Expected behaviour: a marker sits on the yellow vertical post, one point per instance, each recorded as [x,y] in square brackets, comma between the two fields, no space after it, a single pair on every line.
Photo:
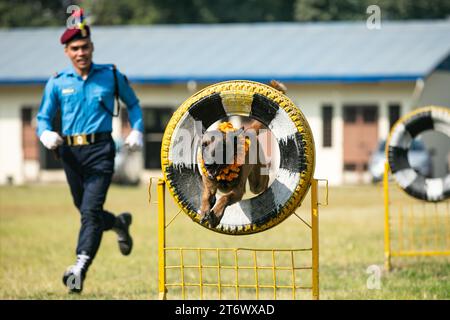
[315,239]
[200,272]
[387,240]
[255,263]
[274,276]
[293,276]
[162,239]
[219,282]
[236,270]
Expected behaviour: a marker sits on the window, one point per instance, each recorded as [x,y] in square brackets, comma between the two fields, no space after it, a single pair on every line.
[29,138]
[350,114]
[370,114]
[360,114]
[327,126]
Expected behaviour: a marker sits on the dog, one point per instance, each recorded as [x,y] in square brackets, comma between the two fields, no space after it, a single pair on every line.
[229,173]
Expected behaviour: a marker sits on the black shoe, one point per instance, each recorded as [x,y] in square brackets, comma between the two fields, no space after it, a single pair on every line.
[123,222]
[74,276]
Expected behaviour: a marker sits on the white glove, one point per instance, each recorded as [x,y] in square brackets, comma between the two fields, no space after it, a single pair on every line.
[134,140]
[50,139]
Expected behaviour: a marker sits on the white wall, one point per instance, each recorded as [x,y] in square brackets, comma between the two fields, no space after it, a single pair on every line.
[12,164]
[10,145]
[309,98]
[11,151]
[163,95]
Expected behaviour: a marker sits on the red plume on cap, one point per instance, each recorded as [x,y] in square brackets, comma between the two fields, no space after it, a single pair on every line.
[79,31]
[79,14]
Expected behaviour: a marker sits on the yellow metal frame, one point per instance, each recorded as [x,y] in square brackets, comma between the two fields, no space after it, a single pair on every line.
[407,219]
[201,266]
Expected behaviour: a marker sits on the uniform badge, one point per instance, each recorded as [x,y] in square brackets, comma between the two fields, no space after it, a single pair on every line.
[68,90]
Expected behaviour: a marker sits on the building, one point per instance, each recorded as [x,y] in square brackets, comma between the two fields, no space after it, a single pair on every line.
[352,83]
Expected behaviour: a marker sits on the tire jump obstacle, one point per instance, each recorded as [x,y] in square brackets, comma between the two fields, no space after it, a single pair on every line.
[292,179]
[417,224]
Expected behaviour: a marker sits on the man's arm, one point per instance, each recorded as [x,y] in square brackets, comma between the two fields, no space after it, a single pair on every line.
[47,110]
[128,96]
[135,139]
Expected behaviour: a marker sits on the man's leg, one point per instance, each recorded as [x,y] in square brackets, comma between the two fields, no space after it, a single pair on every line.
[120,225]
[74,275]
[96,165]
[109,220]
[74,176]
[94,220]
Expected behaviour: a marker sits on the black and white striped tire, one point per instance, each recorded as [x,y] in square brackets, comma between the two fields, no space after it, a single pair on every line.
[287,124]
[397,147]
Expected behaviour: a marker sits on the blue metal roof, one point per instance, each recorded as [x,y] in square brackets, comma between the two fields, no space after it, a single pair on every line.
[291,52]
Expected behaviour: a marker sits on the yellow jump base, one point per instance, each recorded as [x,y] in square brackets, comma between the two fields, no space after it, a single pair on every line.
[413,227]
[238,273]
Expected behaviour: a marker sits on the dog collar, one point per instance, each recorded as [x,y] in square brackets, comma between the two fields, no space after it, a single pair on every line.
[231,171]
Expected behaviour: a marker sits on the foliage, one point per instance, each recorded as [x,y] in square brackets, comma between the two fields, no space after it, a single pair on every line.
[326,10]
[31,13]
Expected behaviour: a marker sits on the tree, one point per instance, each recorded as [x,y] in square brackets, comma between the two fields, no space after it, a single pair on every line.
[190,11]
[328,10]
[29,13]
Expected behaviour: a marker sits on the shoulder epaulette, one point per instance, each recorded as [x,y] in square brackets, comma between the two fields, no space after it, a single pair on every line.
[105,66]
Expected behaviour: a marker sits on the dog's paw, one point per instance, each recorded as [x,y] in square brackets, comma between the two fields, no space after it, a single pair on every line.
[213,221]
[204,220]
[203,216]
[209,218]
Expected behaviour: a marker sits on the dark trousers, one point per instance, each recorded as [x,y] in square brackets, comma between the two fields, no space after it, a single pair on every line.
[89,170]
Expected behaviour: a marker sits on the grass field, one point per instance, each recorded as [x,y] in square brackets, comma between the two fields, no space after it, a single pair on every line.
[39,225]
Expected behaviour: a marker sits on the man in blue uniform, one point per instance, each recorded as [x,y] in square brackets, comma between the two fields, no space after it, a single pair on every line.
[84,93]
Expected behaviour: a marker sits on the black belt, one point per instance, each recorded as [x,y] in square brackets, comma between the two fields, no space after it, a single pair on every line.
[85,139]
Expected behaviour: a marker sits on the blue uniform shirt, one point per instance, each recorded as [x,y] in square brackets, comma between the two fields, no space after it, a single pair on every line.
[79,101]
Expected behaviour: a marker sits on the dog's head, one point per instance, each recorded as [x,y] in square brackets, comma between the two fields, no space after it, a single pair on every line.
[215,154]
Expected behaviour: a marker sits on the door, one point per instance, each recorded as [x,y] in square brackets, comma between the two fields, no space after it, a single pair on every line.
[48,158]
[360,136]
[155,121]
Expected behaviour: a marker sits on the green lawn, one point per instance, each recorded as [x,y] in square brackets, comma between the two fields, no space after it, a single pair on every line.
[39,225]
